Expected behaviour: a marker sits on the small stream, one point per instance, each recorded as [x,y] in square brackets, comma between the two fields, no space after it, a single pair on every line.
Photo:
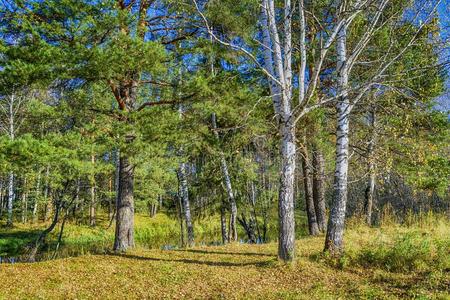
[8,260]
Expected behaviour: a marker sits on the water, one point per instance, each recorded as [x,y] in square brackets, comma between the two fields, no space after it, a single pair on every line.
[8,260]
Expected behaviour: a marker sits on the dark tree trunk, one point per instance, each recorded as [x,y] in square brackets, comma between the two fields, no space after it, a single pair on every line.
[249,227]
[40,240]
[308,184]
[319,188]
[124,237]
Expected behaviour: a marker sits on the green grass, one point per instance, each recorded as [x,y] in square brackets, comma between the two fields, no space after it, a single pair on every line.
[150,233]
[387,262]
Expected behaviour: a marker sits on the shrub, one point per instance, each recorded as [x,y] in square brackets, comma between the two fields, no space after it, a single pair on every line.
[412,251]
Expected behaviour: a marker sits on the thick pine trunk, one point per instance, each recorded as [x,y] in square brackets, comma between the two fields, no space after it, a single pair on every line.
[319,188]
[313,226]
[334,242]
[286,230]
[184,195]
[124,237]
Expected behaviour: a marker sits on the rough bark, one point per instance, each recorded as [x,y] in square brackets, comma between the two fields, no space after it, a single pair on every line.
[184,195]
[313,226]
[286,230]
[334,242]
[282,72]
[319,188]
[124,237]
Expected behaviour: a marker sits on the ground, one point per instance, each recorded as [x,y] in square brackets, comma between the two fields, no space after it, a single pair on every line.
[243,271]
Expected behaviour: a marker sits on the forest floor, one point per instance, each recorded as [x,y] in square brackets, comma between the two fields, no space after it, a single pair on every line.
[388,262]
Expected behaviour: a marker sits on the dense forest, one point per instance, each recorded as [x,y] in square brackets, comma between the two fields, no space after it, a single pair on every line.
[205,125]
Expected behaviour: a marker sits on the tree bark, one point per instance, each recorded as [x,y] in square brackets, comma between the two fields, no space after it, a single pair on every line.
[319,188]
[223,223]
[184,195]
[124,237]
[370,190]
[9,222]
[286,221]
[308,184]
[227,180]
[36,197]
[24,201]
[92,203]
[335,231]
[180,216]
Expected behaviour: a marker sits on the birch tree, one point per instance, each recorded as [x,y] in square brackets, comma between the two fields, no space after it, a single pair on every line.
[11,112]
[377,79]
[276,50]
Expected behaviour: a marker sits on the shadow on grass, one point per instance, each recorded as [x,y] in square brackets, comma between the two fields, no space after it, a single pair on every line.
[225,253]
[198,262]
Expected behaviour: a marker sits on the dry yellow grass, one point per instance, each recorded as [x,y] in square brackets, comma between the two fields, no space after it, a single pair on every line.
[224,272]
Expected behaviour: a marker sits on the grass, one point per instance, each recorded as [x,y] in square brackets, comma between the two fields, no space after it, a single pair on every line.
[388,262]
[150,233]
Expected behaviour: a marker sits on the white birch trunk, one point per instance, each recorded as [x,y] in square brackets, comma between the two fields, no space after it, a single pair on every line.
[370,190]
[11,133]
[10,199]
[184,195]
[335,229]
[283,73]
[227,181]
[36,197]
[92,190]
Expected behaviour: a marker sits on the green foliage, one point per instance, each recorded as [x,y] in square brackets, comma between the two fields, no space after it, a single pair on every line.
[414,251]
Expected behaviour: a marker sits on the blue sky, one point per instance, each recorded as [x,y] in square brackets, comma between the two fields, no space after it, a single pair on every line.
[444,15]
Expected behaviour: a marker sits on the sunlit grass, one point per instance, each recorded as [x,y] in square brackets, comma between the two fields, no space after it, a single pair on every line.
[387,262]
